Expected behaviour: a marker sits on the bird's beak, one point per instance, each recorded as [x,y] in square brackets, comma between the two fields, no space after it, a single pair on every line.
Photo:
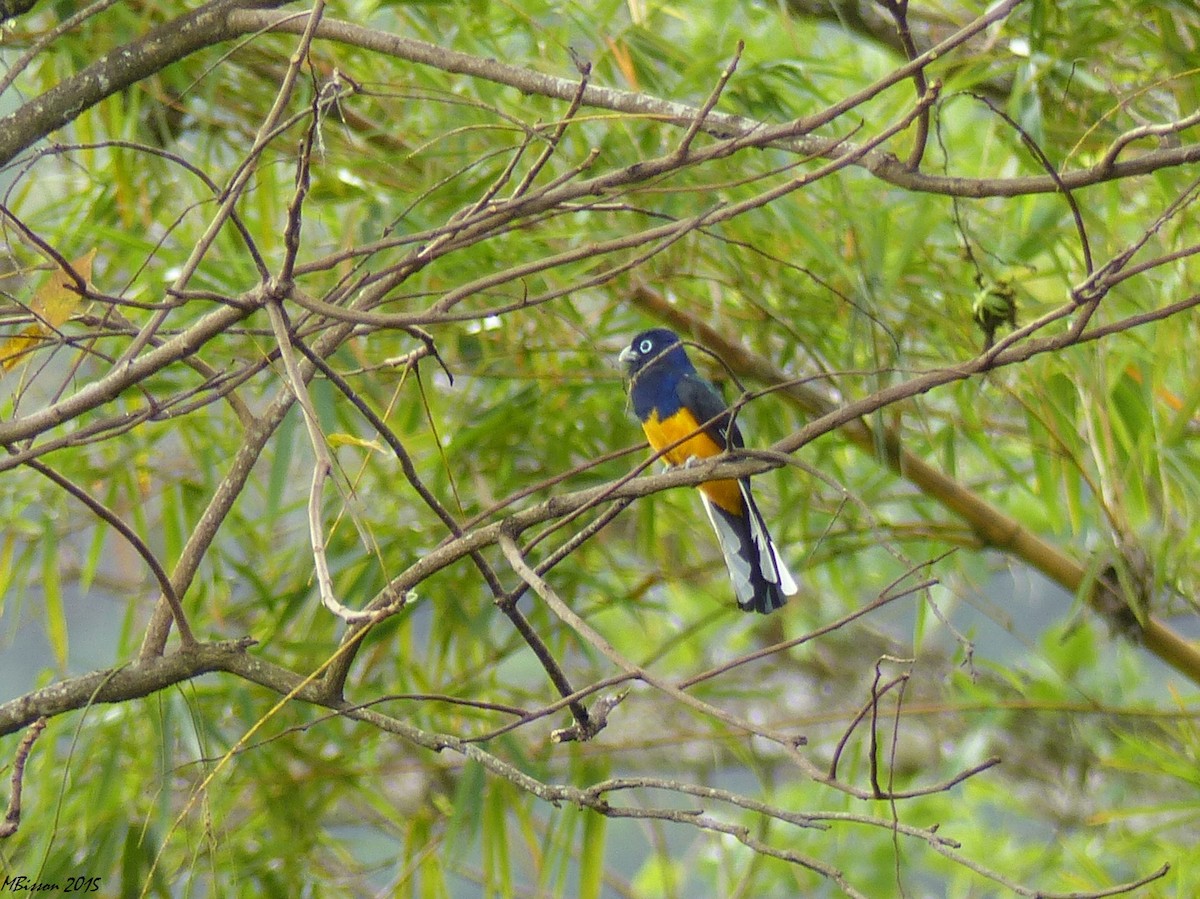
[628,356]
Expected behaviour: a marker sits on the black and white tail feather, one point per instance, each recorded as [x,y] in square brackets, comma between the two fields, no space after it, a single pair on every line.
[761,581]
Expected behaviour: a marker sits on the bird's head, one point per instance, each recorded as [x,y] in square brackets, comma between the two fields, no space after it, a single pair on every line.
[656,349]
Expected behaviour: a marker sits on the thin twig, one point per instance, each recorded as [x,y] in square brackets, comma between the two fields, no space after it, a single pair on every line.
[12,818]
[1044,161]
[113,520]
[266,133]
[295,213]
[898,9]
[322,469]
[513,554]
[554,139]
[1161,130]
[685,143]
[878,693]
[336,676]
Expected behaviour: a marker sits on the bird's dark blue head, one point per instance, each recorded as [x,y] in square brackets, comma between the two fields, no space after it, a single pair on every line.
[654,351]
[654,362]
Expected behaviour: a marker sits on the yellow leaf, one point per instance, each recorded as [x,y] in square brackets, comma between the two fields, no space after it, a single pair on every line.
[341,439]
[54,303]
[6,566]
[57,299]
[13,348]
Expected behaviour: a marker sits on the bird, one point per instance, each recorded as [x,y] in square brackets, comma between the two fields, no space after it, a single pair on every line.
[686,419]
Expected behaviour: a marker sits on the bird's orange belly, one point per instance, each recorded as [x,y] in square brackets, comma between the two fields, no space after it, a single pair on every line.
[679,438]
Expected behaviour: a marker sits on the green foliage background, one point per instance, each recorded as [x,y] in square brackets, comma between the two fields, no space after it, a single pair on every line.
[851,282]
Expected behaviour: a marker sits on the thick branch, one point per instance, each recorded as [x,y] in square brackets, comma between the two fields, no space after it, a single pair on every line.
[115,71]
[142,679]
[118,684]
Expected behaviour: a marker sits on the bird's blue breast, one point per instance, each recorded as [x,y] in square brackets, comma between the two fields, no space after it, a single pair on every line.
[655,386]
[655,393]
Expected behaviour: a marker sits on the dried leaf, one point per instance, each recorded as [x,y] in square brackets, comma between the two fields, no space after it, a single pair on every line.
[57,299]
[12,349]
[55,302]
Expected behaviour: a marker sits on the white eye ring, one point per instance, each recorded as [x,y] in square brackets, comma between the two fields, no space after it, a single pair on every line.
[645,346]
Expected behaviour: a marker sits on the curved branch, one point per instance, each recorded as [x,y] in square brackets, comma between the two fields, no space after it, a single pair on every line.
[139,545]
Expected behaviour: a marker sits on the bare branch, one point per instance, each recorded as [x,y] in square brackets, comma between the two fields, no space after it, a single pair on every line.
[335,677]
[898,10]
[113,520]
[882,165]
[1044,161]
[12,818]
[694,127]
[322,468]
[539,586]
[553,142]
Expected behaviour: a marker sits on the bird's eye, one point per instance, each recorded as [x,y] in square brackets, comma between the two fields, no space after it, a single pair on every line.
[645,346]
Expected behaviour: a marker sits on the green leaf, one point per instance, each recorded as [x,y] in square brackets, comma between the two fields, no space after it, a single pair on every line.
[497,864]
[91,561]
[52,596]
[467,809]
[591,855]
[281,466]
[7,547]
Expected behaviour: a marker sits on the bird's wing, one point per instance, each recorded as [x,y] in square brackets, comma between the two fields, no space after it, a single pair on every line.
[705,403]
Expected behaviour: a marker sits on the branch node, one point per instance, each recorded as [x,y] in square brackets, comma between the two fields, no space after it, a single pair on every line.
[597,719]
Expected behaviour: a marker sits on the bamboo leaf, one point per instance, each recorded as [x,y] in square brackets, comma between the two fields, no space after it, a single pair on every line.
[591,855]
[52,595]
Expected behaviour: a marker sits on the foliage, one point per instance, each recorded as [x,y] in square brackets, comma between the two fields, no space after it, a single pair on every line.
[525,673]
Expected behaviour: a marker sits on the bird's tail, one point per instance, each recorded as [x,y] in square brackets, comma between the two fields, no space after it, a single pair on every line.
[761,581]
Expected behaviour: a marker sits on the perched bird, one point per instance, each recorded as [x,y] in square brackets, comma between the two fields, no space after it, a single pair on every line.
[685,418]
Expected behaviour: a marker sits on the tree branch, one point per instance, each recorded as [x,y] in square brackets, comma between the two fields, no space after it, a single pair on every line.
[130,681]
[117,70]
[12,818]
[882,165]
